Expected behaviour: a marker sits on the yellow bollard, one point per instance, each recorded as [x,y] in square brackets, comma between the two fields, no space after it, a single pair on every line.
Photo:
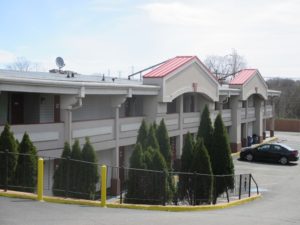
[103,186]
[40,182]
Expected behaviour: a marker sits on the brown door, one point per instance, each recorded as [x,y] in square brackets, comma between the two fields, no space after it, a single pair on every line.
[56,108]
[17,108]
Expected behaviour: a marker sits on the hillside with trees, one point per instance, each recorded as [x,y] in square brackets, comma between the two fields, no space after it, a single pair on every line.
[288,104]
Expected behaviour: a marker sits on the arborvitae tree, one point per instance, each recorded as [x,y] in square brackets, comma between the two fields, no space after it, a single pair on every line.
[154,125]
[90,176]
[7,142]
[203,180]
[26,170]
[151,140]
[137,158]
[164,143]
[142,135]
[135,187]
[157,180]
[221,159]
[205,129]
[75,170]
[60,174]
[185,185]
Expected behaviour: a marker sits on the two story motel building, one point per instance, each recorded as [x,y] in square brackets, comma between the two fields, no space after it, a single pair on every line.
[56,107]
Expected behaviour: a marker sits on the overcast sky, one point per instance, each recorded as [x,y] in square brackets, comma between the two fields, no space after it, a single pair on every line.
[94,36]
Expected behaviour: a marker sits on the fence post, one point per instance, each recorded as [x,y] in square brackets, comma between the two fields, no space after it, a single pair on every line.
[194,187]
[249,184]
[6,170]
[103,185]
[121,171]
[40,182]
[164,187]
[240,187]
[68,177]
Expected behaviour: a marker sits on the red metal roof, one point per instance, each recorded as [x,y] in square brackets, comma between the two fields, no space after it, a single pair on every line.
[169,66]
[243,76]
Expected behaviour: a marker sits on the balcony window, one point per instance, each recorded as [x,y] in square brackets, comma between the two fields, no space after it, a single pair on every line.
[189,103]
[171,107]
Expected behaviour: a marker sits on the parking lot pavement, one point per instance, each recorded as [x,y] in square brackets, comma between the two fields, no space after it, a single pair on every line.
[280,205]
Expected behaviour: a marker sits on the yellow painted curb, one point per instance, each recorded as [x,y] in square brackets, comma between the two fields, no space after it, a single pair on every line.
[18,195]
[129,206]
[183,208]
[23,195]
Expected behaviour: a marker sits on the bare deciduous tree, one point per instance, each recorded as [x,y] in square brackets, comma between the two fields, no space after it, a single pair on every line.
[225,67]
[23,64]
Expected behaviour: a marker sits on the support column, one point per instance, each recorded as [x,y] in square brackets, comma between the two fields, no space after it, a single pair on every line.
[272,120]
[68,126]
[235,131]
[245,126]
[258,124]
[115,180]
[180,127]
[264,120]
[179,138]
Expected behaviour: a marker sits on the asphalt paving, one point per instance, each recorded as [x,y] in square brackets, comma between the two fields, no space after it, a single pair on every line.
[280,204]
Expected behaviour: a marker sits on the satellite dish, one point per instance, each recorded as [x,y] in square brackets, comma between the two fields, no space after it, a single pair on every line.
[60,62]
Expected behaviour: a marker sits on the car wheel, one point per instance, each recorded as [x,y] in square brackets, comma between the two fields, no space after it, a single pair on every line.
[283,160]
[249,157]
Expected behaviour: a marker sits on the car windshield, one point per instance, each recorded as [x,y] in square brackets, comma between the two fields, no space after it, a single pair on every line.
[286,147]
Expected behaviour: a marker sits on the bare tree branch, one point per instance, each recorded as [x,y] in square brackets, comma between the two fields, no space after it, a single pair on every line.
[23,64]
[224,67]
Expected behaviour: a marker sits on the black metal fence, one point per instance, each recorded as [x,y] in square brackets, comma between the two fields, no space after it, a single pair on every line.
[17,171]
[67,177]
[176,188]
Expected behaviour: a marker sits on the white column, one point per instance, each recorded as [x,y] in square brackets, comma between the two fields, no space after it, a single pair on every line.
[272,122]
[235,131]
[246,124]
[258,123]
[180,143]
[68,126]
[117,137]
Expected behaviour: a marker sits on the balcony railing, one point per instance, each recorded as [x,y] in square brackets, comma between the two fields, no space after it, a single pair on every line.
[46,137]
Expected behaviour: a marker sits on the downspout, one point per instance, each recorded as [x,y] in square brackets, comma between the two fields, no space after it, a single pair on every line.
[70,108]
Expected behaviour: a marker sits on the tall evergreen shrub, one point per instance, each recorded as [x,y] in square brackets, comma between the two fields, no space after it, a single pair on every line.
[89,174]
[26,170]
[205,129]
[221,159]
[164,143]
[202,184]
[136,187]
[185,183]
[142,135]
[60,174]
[75,170]
[7,142]
[151,139]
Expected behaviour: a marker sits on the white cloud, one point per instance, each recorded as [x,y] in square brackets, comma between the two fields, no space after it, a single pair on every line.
[6,57]
[178,13]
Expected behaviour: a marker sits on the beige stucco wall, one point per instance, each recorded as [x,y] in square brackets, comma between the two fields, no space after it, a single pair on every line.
[181,82]
[250,88]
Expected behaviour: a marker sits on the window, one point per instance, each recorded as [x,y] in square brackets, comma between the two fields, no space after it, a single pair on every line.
[171,107]
[276,148]
[189,103]
[264,148]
